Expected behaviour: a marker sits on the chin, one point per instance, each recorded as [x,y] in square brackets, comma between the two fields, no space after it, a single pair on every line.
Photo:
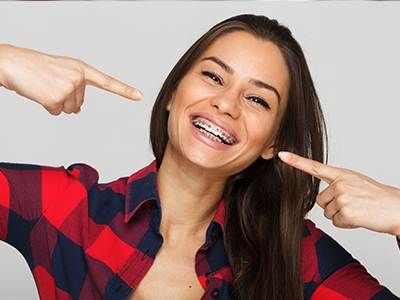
[217,165]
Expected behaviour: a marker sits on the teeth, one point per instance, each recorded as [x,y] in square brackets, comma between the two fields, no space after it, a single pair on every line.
[215,134]
[209,135]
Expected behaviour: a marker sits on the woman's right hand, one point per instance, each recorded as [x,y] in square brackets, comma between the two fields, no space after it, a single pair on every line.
[58,83]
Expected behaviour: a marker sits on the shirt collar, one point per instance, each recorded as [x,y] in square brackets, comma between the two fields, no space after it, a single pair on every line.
[219,217]
[142,189]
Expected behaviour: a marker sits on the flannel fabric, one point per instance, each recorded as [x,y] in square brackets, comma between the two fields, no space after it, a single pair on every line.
[86,240]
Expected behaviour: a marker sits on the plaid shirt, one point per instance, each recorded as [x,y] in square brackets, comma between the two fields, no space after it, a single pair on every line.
[85,240]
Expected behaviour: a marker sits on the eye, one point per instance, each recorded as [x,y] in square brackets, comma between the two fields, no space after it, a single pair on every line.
[259,100]
[212,76]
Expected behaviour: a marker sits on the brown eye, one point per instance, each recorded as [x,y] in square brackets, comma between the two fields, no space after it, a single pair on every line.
[213,76]
[259,100]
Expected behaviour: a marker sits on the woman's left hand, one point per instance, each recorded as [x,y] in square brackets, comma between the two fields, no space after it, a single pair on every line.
[352,200]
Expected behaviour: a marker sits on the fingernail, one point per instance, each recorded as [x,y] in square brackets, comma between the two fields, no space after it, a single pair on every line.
[137,95]
[284,155]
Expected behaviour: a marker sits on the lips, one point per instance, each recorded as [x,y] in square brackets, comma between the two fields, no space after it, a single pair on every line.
[213,131]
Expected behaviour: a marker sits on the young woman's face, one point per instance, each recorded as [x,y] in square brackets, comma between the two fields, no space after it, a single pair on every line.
[226,111]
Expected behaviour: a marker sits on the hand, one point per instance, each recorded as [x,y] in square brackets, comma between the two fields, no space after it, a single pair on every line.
[58,83]
[352,200]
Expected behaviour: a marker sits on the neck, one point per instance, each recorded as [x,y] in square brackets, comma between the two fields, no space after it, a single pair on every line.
[189,196]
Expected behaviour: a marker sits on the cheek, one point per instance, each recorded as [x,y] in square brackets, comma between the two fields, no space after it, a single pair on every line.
[191,91]
[263,130]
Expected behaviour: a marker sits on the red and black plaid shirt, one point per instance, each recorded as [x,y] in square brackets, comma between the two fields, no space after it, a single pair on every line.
[85,240]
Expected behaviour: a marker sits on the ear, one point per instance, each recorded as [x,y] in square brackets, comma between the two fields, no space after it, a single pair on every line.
[269,152]
[170,102]
[169,105]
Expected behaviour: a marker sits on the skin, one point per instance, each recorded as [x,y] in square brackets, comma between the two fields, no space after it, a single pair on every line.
[57,83]
[193,173]
[191,179]
[352,200]
[229,98]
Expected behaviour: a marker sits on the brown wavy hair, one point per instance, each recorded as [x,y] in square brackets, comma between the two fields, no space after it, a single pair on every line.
[267,202]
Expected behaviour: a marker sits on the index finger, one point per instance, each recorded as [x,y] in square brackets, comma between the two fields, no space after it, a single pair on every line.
[312,167]
[98,79]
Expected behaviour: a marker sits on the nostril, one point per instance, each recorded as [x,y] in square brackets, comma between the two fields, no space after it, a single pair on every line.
[227,104]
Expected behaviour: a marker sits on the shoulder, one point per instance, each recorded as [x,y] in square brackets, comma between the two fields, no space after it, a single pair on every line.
[31,170]
[321,257]
[51,180]
[321,253]
[329,270]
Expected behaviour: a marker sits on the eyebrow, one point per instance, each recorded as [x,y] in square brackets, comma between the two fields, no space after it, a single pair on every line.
[264,85]
[253,81]
[220,63]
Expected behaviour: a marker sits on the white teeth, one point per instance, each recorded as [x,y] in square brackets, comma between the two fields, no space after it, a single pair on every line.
[209,135]
[215,133]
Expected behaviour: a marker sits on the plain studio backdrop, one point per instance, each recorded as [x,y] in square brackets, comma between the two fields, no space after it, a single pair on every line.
[352,49]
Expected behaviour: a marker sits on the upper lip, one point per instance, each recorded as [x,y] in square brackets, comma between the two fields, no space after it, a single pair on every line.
[221,124]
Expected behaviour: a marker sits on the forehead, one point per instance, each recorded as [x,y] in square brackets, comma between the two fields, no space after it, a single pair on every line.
[251,57]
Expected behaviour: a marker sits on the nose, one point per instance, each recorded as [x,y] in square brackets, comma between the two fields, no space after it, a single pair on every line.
[227,103]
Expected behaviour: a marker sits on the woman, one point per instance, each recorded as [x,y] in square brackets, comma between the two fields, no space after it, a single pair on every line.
[239,95]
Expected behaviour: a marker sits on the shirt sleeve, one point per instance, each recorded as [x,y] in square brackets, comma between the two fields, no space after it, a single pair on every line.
[334,273]
[27,192]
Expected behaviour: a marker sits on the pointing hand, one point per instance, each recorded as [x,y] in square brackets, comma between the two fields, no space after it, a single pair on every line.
[58,83]
[352,200]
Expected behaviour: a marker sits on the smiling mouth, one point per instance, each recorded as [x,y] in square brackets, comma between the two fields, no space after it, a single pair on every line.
[213,132]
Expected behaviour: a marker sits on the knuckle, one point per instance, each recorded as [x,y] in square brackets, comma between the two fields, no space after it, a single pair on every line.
[78,63]
[315,167]
[57,100]
[342,201]
[343,187]
[128,90]
[337,222]
[327,215]
[294,159]
[348,215]
[76,79]
[68,108]
[49,104]
[68,111]
[107,80]
[69,88]
[55,111]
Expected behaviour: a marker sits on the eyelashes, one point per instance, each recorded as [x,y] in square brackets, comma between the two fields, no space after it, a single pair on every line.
[212,76]
[256,99]
[259,100]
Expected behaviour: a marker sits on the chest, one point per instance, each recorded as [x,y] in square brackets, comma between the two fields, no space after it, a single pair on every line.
[171,276]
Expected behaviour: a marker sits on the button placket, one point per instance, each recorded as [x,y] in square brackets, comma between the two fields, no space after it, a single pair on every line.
[213,237]
[214,293]
[209,274]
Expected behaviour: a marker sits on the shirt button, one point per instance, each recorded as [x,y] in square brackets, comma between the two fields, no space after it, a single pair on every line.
[214,293]
[208,274]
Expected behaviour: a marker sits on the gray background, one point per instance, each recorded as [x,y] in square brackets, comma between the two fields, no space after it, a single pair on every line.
[353,51]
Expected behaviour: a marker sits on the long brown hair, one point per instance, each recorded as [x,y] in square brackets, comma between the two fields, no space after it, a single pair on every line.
[267,202]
